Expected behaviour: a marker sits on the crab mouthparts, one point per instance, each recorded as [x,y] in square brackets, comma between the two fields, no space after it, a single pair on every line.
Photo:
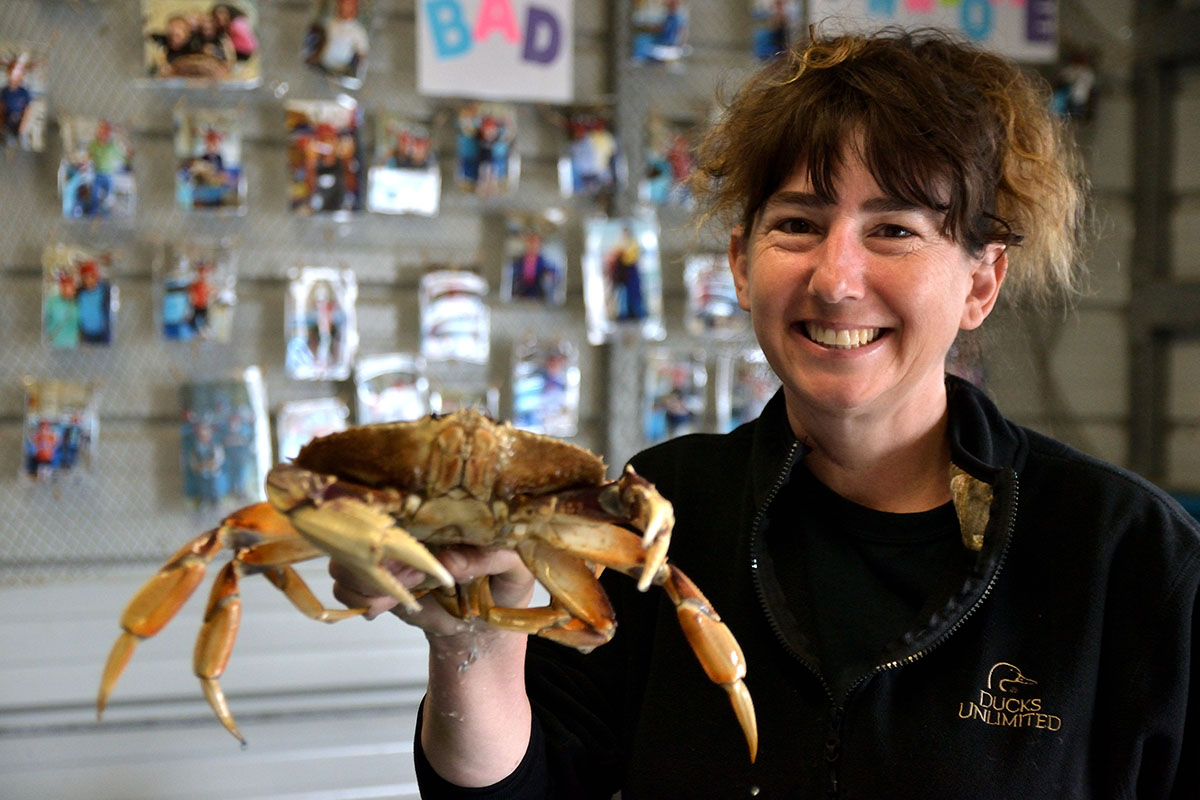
[844,339]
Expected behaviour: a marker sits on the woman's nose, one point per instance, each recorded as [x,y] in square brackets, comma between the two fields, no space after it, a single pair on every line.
[838,267]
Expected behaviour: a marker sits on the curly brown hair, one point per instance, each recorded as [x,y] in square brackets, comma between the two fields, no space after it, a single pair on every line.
[939,122]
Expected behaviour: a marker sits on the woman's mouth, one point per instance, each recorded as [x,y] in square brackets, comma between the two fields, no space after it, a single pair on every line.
[840,338]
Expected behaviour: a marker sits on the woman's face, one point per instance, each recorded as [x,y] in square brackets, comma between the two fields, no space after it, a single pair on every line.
[855,303]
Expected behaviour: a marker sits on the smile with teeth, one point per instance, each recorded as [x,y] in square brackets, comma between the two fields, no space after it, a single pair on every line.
[845,338]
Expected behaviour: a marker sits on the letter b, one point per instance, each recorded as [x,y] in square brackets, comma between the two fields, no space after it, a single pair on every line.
[450,34]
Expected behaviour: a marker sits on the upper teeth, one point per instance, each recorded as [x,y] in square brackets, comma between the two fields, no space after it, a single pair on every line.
[853,337]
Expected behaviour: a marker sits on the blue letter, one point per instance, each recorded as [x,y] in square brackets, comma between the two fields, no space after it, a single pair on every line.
[977,18]
[886,8]
[541,19]
[450,34]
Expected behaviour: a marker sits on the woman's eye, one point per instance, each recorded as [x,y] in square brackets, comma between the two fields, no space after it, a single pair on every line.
[895,231]
[794,225]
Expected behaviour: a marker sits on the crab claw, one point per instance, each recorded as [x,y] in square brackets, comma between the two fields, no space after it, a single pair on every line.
[649,512]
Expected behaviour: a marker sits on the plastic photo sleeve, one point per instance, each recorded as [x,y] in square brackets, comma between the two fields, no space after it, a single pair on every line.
[60,429]
[776,26]
[485,142]
[195,292]
[673,394]
[226,441]
[712,305]
[660,31]
[300,421]
[321,325]
[744,384]
[455,321]
[458,391]
[545,384]
[404,177]
[199,42]
[336,42]
[593,164]
[390,387]
[622,278]
[534,261]
[669,162]
[325,166]
[95,176]
[22,99]
[208,161]
[79,298]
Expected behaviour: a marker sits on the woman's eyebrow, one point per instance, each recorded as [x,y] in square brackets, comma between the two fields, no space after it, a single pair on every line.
[882,203]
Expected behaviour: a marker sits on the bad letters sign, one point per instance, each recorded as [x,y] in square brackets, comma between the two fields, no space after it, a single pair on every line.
[495,49]
[1025,30]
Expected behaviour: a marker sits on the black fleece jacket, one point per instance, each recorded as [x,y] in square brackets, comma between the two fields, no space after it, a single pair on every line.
[1060,669]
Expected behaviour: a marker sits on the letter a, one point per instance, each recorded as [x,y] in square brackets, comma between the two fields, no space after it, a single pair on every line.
[497,15]
[450,35]
[539,19]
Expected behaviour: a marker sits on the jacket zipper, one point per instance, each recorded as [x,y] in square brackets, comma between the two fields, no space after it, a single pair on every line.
[833,740]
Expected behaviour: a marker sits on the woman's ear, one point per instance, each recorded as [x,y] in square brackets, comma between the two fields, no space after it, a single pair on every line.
[986,279]
[739,265]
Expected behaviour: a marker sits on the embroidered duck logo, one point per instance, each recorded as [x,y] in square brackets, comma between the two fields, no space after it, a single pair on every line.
[1004,677]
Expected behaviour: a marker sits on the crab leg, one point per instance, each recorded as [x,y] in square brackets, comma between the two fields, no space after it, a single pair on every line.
[156,603]
[214,645]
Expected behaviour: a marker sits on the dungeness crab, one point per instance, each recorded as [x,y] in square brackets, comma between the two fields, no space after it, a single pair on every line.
[397,491]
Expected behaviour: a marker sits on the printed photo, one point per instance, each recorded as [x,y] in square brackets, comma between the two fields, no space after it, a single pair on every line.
[485,141]
[545,383]
[196,292]
[776,26]
[669,162]
[745,382]
[325,168]
[455,320]
[60,429]
[298,422]
[535,260]
[404,177]
[201,42]
[23,98]
[208,158]
[336,42]
[660,31]
[622,278]
[226,443]
[322,327]
[593,165]
[673,394]
[95,176]
[79,299]
[391,387]
[712,304]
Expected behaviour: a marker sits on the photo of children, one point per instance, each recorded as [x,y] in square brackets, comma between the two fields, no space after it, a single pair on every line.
[208,157]
[79,300]
[60,429]
[673,394]
[404,177]
[660,31]
[622,277]
[485,141]
[545,385]
[593,165]
[712,305]
[196,292]
[321,325]
[337,43]
[226,445]
[391,387]
[325,168]
[455,320]
[201,42]
[669,162]
[22,100]
[535,260]
[95,176]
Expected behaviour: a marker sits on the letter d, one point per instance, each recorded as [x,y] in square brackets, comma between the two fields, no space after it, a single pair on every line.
[450,34]
[538,20]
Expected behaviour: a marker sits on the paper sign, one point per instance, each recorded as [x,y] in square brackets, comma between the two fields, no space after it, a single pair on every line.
[1025,30]
[496,49]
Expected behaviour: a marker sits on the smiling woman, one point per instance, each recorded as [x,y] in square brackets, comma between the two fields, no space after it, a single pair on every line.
[932,601]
